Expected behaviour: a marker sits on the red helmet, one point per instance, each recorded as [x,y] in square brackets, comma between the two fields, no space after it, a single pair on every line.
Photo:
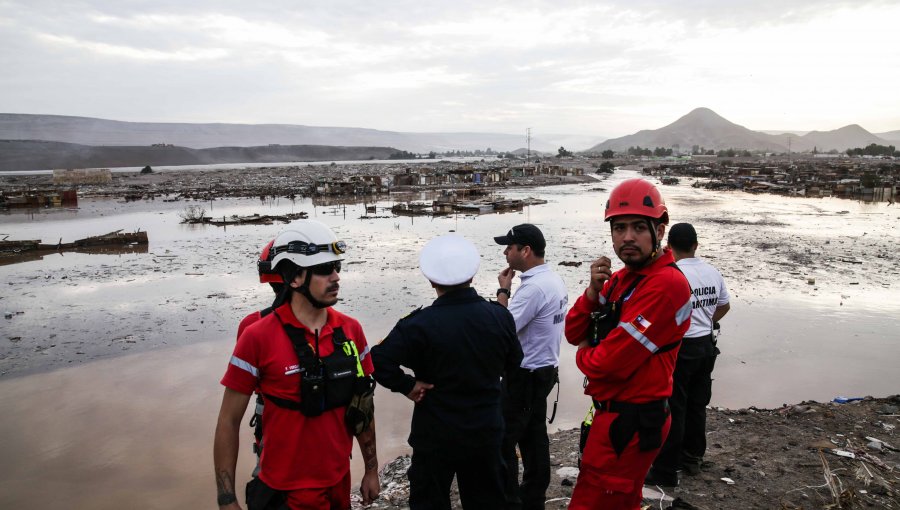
[267,273]
[638,197]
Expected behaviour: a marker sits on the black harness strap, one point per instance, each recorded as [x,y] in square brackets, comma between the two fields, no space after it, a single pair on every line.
[307,359]
[283,402]
[667,347]
[318,376]
[256,420]
[556,402]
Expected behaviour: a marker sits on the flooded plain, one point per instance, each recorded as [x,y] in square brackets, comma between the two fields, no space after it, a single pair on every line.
[109,363]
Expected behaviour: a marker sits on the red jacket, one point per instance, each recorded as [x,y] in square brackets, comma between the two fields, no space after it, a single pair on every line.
[624,366]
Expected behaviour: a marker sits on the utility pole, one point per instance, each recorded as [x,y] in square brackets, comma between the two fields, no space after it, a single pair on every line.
[790,158]
[528,145]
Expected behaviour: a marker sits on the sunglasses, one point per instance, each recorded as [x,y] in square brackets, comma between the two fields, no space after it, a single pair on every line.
[326,269]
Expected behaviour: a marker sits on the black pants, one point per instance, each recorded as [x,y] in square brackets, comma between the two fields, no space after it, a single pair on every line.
[691,393]
[525,412]
[479,476]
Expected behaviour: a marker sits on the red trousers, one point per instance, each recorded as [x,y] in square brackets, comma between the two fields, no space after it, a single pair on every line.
[607,481]
[336,497]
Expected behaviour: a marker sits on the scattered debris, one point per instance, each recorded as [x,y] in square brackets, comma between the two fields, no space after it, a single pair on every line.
[116,238]
[776,459]
[193,217]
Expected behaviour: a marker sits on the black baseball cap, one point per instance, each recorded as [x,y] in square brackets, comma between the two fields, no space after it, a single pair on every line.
[525,234]
[682,236]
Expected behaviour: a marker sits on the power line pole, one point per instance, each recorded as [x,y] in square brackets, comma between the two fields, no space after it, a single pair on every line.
[528,145]
[790,158]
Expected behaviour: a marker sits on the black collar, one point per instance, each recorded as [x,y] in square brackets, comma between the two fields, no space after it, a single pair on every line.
[457,296]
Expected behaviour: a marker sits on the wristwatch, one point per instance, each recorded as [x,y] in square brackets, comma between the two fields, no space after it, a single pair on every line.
[226,499]
[501,290]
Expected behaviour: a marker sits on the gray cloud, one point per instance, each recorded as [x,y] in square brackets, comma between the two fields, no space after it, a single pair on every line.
[566,67]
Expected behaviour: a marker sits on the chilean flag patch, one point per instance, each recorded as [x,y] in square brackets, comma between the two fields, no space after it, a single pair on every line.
[640,323]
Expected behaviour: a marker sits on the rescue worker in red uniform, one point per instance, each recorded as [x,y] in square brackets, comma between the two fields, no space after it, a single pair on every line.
[311,363]
[627,349]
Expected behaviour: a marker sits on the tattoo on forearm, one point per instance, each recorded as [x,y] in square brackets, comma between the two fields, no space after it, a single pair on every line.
[224,483]
[367,447]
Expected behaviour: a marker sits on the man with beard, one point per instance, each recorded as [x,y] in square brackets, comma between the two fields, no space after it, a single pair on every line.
[628,325]
[311,365]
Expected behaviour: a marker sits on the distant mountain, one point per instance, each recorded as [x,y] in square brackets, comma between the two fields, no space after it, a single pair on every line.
[847,137]
[702,127]
[42,155]
[707,129]
[792,132]
[891,136]
[91,131]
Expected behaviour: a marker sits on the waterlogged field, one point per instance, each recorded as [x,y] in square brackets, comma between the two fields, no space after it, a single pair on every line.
[109,364]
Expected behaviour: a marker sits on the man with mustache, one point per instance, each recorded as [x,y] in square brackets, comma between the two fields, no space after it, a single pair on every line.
[628,325]
[311,365]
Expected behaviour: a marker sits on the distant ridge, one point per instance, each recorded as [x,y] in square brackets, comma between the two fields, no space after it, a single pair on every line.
[43,155]
[91,131]
[891,136]
[707,129]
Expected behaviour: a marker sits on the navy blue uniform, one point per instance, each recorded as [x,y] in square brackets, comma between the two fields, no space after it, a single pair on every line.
[462,344]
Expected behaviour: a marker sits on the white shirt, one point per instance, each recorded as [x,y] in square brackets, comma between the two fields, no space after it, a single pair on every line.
[708,292]
[539,309]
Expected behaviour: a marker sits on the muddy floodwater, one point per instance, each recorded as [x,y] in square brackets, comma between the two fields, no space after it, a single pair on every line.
[109,363]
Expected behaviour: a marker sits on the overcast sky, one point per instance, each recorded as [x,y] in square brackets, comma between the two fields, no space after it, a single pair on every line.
[565,67]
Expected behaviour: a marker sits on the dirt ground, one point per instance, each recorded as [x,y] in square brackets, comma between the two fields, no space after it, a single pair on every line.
[806,456]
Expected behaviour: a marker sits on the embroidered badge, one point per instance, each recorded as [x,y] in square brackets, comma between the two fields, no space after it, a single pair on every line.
[640,323]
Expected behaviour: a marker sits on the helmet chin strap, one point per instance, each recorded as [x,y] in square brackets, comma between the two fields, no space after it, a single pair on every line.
[653,239]
[304,291]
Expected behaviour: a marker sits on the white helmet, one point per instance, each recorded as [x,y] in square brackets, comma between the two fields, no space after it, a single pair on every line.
[307,243]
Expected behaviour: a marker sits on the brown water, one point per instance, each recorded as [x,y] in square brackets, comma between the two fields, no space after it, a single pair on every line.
[83,428]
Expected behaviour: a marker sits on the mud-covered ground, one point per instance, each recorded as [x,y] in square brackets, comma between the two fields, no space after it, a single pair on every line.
[814,315]
[809,456]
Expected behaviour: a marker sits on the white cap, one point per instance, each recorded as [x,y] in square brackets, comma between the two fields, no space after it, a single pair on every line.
[449,260]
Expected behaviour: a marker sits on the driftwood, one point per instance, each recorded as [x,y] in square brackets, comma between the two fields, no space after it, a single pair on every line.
[117,238]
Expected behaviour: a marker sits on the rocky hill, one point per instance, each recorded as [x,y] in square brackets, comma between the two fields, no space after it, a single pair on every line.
[847,137]
[708,129]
